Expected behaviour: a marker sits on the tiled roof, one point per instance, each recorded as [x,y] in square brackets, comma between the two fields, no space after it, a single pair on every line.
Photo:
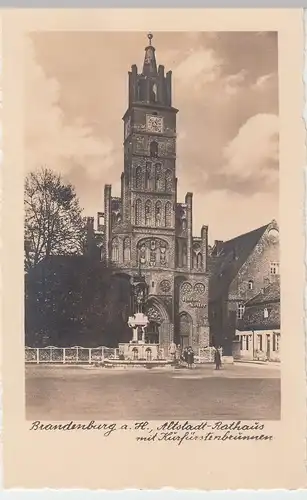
[269,299]
[269,294]
[225,264]
[254,317]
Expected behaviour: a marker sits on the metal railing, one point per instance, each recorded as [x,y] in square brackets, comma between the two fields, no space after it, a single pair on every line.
[69,355]
[92,355]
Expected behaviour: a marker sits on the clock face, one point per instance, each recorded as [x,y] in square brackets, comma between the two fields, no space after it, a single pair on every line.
[127,127]
[154,123]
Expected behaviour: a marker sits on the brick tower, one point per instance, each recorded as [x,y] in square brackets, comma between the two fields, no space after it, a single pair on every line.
[145,228]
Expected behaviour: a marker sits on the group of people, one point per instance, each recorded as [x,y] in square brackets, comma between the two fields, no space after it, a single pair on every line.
[186,355]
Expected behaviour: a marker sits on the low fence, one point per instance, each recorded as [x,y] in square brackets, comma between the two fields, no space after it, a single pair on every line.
[69,355]
[92,355]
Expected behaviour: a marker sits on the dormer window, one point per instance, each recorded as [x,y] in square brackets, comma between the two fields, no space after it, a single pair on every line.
[250,285]
[274,268]
[265,313]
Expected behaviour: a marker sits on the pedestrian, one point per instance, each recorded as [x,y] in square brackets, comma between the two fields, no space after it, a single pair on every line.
[172,351]
[217,359]
[178,353]
[190,357]
[185,355]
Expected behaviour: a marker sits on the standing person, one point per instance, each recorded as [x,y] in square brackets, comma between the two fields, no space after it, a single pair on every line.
[172,351]
[217,359]
[185,355]
[178,353]
[190,357]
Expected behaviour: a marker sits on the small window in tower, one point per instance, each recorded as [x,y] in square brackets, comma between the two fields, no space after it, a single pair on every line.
[153,92]
[154,149]
[140,91]
[250,285]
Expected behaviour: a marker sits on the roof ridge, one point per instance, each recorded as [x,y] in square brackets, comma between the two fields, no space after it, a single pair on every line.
[248,232]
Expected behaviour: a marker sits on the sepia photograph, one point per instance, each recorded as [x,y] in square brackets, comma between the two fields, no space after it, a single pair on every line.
[151,228]
[153,278]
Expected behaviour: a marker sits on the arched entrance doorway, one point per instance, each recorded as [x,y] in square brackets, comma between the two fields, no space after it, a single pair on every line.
[185,329]
[157,331]
[152,334]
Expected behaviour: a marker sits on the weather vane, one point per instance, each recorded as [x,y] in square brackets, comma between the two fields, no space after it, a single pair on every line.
[150,37]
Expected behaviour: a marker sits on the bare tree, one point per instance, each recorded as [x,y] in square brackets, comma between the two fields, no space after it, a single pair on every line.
[53,218]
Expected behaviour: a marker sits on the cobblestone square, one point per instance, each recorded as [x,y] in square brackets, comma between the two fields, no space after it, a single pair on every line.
[237,392]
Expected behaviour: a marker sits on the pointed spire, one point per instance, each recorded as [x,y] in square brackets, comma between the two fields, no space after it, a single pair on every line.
[150,65]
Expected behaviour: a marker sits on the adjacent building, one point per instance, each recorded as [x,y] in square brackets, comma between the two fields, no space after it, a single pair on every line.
[259,334]
[239,270]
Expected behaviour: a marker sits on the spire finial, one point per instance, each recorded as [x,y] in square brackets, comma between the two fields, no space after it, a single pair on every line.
[150,37]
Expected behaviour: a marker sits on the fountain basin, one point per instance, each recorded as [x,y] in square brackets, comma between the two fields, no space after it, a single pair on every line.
[140,351]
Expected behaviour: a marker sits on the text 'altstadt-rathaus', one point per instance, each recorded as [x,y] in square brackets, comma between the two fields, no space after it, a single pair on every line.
[148,230]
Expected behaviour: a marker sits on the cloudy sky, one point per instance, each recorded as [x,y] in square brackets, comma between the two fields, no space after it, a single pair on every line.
[224,85]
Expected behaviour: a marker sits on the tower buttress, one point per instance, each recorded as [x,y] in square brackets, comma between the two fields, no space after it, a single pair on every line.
[189,203]
[204,246]
[107,221]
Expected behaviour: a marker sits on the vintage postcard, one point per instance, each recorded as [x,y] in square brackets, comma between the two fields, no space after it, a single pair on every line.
[153,247]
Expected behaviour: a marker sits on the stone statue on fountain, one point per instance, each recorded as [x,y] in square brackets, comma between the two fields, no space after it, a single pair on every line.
[138,350]
[139,321]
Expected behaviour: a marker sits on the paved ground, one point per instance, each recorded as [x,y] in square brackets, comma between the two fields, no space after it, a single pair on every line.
[243,391]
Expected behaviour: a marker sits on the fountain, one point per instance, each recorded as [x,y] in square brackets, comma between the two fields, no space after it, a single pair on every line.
[139,352]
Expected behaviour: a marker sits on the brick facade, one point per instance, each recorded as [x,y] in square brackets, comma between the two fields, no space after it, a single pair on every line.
[240,269]
[146,227]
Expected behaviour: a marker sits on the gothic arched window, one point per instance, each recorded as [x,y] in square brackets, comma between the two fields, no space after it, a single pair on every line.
[154,149]
[138,212]
[178,254]
[147,213]
[168,214]
[147,175]
[158,177]
[185,329]
[184,254]
[138,177]
[127,252]
[199,261]
[153,92]
[140,90]
[168,180]
[158,213]
[115,250]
